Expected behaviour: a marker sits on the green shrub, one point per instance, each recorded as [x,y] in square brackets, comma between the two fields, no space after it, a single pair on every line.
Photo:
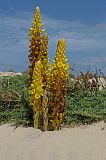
[14,100]
[84,106]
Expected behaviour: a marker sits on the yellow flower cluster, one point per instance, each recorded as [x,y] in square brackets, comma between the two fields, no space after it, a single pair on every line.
[38,52]
[36,91]
[58,84]
[45,59]
[46,78]
[36,88]
[35,41]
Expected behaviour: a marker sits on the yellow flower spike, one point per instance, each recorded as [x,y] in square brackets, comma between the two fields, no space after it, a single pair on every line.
[58,84]
[38,51]
[36,91]
[45,79]
[35,41]
[44,57]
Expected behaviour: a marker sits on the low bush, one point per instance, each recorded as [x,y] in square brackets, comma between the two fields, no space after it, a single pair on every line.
[84,106]
[14,100]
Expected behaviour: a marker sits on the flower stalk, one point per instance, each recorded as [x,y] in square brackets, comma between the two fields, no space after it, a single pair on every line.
[58,84]
[35,41]
[36,91]
[45,73]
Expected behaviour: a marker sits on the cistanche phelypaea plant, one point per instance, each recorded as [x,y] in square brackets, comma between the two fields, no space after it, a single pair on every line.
[35,33]
[36,91]
[44,79]
[58,84]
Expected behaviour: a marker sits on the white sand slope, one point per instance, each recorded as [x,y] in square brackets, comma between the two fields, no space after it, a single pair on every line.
[79,143]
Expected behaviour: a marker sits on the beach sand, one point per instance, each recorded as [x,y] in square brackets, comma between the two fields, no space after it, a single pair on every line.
[78,143]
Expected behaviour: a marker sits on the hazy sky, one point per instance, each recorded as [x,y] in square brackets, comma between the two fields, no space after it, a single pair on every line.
[81,22]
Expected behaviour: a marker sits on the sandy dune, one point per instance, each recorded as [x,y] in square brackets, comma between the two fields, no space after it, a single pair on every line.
[79,143]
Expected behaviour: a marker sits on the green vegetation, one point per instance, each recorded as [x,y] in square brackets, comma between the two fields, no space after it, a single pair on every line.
[84,106]
[14,106]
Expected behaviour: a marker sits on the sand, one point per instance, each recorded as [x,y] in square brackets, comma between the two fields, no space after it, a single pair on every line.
[79,143]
